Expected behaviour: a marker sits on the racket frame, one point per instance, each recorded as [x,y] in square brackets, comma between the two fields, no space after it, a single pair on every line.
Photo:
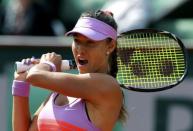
[170,35]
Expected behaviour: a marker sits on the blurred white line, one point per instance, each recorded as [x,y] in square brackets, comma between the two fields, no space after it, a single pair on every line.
[35,41]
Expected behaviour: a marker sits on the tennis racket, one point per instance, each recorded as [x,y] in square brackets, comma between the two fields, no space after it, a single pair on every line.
[150,60]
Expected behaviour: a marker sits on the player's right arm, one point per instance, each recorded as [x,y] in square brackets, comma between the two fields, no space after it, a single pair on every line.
[21,117]
[20,111]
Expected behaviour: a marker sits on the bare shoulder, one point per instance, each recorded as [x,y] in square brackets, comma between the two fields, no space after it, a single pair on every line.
[100,77]
[105,112]
[105,86]
[104,82]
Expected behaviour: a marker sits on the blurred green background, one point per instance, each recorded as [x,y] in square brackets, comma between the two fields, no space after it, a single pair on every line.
[172,15]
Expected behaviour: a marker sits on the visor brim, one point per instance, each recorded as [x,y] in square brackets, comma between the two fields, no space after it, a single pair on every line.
[89,33]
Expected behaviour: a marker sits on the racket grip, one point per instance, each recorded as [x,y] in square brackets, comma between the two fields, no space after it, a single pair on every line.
[65,65]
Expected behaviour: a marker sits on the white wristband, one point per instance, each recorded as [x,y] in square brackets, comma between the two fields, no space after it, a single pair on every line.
[52,65]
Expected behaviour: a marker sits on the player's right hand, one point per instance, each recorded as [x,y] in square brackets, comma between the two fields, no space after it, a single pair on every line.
[22,75]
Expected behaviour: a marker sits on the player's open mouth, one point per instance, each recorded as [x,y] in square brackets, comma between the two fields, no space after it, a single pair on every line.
[82,61]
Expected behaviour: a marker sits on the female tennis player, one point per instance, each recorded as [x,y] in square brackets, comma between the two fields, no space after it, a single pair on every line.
[89,101]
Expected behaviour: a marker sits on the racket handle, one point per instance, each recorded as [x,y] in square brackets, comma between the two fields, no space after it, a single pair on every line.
[65,65]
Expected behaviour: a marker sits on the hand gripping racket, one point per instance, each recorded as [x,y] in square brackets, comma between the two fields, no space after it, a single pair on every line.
[150,60]
[65,65]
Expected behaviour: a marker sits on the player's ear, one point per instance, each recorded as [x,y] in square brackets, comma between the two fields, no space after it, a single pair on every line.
[111,45]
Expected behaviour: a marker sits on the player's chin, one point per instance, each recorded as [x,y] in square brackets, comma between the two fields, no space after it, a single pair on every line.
[82,70]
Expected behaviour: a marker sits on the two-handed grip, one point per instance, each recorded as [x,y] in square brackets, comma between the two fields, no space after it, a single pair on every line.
[65,65]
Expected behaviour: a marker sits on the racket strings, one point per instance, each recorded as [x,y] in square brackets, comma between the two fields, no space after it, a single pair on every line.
[149,60]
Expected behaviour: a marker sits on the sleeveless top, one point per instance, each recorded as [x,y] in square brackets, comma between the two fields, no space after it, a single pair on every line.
[69,117]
